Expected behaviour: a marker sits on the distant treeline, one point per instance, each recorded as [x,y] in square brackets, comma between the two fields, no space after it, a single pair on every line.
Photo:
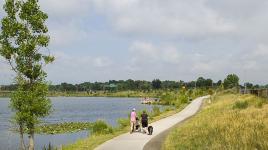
[134,85]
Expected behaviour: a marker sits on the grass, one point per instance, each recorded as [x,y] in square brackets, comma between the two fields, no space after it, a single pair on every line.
[230,122]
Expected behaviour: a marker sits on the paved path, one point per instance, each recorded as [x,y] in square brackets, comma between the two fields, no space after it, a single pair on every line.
[137,141]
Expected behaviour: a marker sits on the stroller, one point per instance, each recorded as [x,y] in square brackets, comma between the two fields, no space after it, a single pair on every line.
[137,125]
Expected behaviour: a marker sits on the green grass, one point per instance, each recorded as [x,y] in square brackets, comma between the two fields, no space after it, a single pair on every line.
[230,122]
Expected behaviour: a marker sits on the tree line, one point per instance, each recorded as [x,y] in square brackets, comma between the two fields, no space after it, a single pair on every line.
[231,80]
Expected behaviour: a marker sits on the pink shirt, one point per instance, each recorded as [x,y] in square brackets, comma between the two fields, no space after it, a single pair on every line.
[133,116]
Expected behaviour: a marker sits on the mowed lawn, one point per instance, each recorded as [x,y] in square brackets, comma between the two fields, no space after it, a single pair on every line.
[230,122]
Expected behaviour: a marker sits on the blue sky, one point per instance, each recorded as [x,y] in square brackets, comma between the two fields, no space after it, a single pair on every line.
[99,40]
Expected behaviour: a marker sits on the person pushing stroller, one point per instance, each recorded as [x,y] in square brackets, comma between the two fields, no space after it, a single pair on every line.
[144,122]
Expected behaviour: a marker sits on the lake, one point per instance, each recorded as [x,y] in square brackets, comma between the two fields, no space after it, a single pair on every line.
[69,109]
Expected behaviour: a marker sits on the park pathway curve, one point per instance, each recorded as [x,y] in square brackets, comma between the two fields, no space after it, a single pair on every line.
[137,141]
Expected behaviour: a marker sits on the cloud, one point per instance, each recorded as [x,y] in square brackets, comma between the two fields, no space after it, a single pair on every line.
[147,39]
[102,62]
[146,51]
[66,35]
[168,18]
[78,68]
[69,9]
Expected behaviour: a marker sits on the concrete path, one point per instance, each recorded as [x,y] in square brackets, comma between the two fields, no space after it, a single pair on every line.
[136,141]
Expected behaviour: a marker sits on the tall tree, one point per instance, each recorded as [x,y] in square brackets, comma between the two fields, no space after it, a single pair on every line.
[201,82]
[23,38]
[156,84]
[231,81]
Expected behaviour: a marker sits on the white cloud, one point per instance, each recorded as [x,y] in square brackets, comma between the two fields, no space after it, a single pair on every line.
[170,18]
[67,9]
[78,68]
[145,51]
[186,39]
[102,62]
[66,35]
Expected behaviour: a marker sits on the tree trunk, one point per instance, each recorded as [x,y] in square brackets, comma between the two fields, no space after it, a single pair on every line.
[22,144]
[31,141]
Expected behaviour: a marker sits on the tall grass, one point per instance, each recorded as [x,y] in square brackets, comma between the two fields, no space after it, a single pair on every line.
[224,125]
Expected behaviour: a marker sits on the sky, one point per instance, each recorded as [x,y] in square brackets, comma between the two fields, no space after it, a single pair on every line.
[101,40]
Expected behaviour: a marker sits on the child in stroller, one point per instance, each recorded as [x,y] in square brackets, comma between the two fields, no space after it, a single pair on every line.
[137,125]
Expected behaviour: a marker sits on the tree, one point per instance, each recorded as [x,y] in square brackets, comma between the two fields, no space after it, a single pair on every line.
[249,85]
[201,82]
[231,81]
[209,82]
[156,84]
[219,83]
[23,38]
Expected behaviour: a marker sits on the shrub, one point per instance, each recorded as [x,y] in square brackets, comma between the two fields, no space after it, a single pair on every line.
[260,103]
[240,105]
[166,98]
[123,122]
[168,109]
[101,127]
[183,99]
[156,111]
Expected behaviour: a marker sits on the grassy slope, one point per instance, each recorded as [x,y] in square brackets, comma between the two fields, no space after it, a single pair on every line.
[95,140]
[224,124]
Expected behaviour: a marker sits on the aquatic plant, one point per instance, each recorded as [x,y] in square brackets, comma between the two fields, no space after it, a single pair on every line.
[63,127]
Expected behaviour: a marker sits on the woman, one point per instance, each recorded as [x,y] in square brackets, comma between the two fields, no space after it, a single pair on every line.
[133,116]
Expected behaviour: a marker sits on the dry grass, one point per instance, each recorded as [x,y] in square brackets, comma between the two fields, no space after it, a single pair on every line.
[223,125]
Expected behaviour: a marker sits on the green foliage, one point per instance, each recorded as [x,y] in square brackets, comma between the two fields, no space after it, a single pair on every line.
[101,127]
[210,92]
[156,84]
[183,99]
[167,98]
[30,103]
[22,37]
[156,111]
[231,81]
[63,127]
[240,105]
[202,82]
[260,103]
[123,122]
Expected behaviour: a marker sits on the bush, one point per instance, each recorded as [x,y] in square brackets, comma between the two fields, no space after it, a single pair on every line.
[166,98]
[123,122]
[240,105]
[156,111]
[260,103]
[183,99]
[101,127]
[168,109]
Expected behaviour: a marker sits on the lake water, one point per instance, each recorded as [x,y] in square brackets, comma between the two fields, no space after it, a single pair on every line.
[69,109]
